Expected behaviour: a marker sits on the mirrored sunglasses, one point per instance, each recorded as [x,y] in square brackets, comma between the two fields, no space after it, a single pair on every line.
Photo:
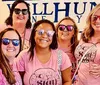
[49,33]
[94,18]
[66,28]
[6,41]
[24,11]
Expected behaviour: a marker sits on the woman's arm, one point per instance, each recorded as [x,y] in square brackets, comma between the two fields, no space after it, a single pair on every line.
[66,76]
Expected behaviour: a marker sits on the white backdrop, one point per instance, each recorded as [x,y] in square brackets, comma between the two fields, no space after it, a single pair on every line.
[54,10]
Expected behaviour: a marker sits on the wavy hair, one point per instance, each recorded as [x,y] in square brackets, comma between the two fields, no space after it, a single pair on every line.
[89,31]
[9,20]
[4,62]
[53,45]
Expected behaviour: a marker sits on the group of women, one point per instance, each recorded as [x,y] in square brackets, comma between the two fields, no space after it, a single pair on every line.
[47,54]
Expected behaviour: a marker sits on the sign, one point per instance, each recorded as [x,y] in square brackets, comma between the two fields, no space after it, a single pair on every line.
[54,10]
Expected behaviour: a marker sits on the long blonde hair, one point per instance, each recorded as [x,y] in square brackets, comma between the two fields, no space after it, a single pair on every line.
[89,31]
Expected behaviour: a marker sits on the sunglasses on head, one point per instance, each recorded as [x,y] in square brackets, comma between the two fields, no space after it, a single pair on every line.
[49,33]
[24,11]
[66,28]
[6,41]
[94,18]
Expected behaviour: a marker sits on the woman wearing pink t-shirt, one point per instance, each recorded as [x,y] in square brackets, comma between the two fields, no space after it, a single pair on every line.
[10,46]
[88,51]
[41,63]
[67,35]
[19,19]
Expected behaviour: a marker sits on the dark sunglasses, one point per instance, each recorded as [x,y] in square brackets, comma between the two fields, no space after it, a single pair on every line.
[6,41]
[49,33]
[24,11]
[94,18]
[66,28]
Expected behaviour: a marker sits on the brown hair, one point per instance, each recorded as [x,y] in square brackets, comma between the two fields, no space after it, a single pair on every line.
[4,63]
[74,39]
[53,45]
[9,20]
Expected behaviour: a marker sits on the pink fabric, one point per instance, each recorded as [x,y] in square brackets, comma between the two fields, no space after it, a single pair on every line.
[37,73]
[3,80]
[84,77]
[27,37]
[72,58]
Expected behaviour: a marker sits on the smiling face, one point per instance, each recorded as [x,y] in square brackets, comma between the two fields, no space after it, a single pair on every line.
[44,39]
[65,35]
[19,17]
[9,50]
[95,20]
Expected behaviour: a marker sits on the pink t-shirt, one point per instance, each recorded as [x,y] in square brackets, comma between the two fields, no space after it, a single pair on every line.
[25,38]
[37,73]
[3,80]
[71,57]
[84,77]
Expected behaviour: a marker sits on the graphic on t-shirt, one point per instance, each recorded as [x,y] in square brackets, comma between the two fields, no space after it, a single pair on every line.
[45,76]
[90,55]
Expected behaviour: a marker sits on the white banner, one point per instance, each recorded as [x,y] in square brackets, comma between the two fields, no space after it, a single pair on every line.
[53,10]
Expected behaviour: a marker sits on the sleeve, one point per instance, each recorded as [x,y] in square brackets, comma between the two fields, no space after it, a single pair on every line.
[2,78]
[21,60]
[66,63]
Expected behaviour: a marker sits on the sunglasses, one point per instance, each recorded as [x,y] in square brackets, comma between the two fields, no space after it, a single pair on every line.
[24,11]
[94,18]
[6,41]
[49,33]
[66,28]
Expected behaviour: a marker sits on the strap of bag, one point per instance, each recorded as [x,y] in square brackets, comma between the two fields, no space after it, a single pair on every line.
[59,60]
[82,60]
